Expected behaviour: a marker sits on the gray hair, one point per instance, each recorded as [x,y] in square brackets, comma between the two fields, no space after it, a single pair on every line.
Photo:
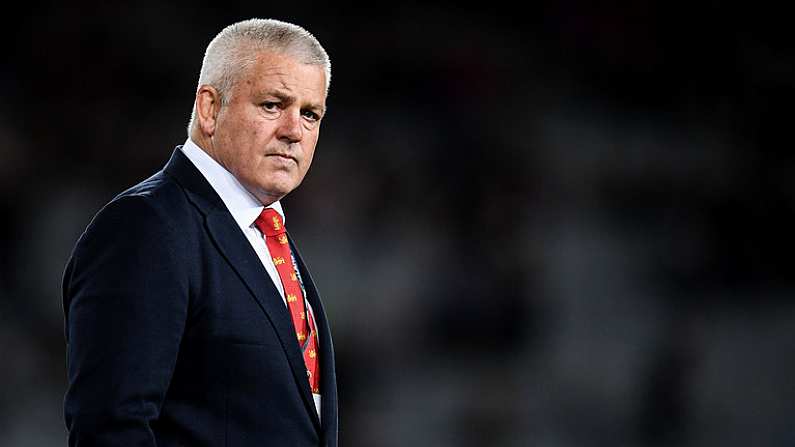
[236,47]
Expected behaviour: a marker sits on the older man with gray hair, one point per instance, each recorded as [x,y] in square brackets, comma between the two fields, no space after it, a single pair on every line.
[191,319]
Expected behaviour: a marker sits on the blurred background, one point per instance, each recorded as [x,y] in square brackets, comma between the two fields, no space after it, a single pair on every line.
[570,225]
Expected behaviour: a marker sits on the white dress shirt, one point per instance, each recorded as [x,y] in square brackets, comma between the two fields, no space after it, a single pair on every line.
[245,209]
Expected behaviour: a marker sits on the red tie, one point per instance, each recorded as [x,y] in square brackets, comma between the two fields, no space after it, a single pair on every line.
[271,225]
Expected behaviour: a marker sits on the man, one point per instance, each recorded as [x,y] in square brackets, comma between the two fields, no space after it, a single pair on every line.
[191,319]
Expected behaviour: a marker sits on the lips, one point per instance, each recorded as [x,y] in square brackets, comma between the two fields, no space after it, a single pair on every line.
[283,157]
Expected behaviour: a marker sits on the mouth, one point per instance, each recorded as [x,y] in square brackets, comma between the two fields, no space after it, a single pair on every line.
[283,157]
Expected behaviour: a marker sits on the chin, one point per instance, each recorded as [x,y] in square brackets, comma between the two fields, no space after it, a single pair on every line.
[279,186]
[273,193]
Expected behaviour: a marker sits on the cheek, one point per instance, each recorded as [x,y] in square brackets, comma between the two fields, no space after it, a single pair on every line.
[310,153]
[254,132]
[307,162]
[251,139]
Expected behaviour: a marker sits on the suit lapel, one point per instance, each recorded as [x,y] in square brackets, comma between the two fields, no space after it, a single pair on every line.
[234,246]
[328,378]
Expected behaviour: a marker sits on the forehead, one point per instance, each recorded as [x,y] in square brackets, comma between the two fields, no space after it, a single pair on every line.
[273,72]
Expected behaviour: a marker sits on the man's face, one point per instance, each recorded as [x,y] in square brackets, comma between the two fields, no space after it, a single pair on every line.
[266,133]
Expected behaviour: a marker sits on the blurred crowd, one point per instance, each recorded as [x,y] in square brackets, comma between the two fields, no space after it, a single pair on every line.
[566,227]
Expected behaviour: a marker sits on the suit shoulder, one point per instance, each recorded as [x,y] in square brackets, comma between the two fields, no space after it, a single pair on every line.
[159,190]
[154,206]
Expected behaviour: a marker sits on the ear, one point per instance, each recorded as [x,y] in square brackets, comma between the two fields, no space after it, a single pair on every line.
[208,104]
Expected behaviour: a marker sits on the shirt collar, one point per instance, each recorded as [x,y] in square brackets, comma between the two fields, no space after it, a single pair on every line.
[244,207]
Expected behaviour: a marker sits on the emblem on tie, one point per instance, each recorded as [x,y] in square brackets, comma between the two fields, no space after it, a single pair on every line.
[273,230]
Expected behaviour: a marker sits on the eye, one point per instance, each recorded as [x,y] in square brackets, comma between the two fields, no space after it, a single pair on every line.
[310,115]
[271,106]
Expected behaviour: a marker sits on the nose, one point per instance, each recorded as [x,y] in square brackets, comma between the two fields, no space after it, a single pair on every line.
[290,129]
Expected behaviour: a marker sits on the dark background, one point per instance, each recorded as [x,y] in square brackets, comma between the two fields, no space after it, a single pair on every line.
[568,226]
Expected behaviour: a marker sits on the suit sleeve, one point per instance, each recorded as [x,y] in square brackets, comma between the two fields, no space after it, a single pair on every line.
[125,303]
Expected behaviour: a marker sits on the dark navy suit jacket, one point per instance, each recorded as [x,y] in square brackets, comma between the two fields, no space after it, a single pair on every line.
[176,335]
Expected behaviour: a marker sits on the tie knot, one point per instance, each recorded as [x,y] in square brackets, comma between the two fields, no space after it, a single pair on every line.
[270,222]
